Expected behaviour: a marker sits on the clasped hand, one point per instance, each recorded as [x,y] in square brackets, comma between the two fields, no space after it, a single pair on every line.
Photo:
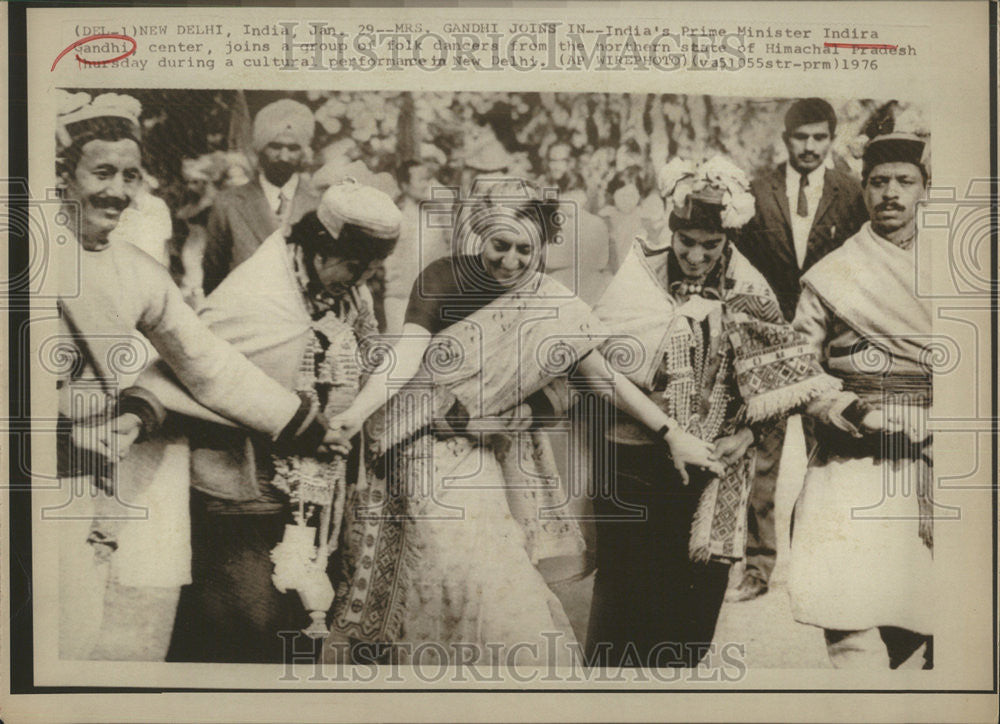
[687,449]
[879,421]
[112,438]
[342,428]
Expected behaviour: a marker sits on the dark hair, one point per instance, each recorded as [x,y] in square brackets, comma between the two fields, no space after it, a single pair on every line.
[631,175]
[810,110]
[541,213]
[707,217]
[104,128]
[352,242]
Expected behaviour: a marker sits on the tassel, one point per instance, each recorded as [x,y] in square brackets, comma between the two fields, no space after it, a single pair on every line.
[775,402]
[700,544]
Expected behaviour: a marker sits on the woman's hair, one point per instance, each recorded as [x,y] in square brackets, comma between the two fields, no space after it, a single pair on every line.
[541,214]
[521,199]
[704,216]
[104,128]
[352,242]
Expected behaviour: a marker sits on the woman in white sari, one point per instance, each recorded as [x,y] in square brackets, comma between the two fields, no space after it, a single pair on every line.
[447,564]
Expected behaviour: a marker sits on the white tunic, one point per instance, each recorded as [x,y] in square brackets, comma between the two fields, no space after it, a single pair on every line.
[857,559]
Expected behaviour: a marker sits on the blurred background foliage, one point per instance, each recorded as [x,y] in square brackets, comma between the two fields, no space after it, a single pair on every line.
[624,135]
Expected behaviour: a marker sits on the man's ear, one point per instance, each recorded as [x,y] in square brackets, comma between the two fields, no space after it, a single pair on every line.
[64,176]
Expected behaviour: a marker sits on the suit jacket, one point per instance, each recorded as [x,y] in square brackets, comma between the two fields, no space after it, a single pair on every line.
[240,220]
[767,239]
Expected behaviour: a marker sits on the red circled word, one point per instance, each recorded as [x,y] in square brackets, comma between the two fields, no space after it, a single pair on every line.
[89,38]
[876,46]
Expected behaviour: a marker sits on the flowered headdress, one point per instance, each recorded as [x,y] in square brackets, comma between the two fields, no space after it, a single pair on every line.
[715,195]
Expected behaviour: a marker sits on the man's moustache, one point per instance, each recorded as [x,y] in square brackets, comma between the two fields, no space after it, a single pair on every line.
[890,206]
[106,202]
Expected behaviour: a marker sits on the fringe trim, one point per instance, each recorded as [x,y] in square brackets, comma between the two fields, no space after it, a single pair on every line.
[775,402]
[700,543]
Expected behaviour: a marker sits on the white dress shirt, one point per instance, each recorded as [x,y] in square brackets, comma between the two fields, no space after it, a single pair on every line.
[801,225]
[273,193]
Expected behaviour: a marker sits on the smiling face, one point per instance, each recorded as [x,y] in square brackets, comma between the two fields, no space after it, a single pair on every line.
[808,145]
[891,193]
[339,275]
[104,182]
[510,251]
[697,251]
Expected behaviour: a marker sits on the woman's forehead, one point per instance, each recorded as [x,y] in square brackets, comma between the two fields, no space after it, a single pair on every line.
[702,236]
[516,233]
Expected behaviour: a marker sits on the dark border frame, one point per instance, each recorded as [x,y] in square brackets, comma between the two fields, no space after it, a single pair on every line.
[21,624]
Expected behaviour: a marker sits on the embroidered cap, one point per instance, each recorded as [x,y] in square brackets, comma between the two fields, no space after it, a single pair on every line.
[897,133]
[895,148]
[369,209]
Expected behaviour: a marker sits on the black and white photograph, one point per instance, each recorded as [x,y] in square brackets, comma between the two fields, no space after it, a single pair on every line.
[365,311]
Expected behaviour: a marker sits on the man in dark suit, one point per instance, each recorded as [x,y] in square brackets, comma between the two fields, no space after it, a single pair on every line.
[805,210]
[243,216]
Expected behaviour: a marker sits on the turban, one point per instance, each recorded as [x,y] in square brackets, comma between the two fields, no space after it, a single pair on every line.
[109,115]
[810,110]
[284,118]
[365,207]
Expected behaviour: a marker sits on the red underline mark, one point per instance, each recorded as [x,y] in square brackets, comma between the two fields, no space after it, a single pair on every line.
[89,38]
[877,46]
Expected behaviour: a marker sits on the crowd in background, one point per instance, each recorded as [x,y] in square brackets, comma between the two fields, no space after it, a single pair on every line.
[749,302]
[601,150]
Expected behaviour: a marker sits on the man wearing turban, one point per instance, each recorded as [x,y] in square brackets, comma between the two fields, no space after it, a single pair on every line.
[244,216]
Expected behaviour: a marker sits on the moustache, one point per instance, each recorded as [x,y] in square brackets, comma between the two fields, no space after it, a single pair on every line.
[890,206]
[109,202]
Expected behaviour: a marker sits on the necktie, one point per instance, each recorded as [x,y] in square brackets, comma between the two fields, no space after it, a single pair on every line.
[283,206]
[803,205]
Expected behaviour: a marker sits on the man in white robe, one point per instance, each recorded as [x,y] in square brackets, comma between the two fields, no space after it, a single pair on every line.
[862,536]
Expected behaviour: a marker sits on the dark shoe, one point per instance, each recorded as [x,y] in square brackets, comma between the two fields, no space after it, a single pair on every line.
[750,588]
